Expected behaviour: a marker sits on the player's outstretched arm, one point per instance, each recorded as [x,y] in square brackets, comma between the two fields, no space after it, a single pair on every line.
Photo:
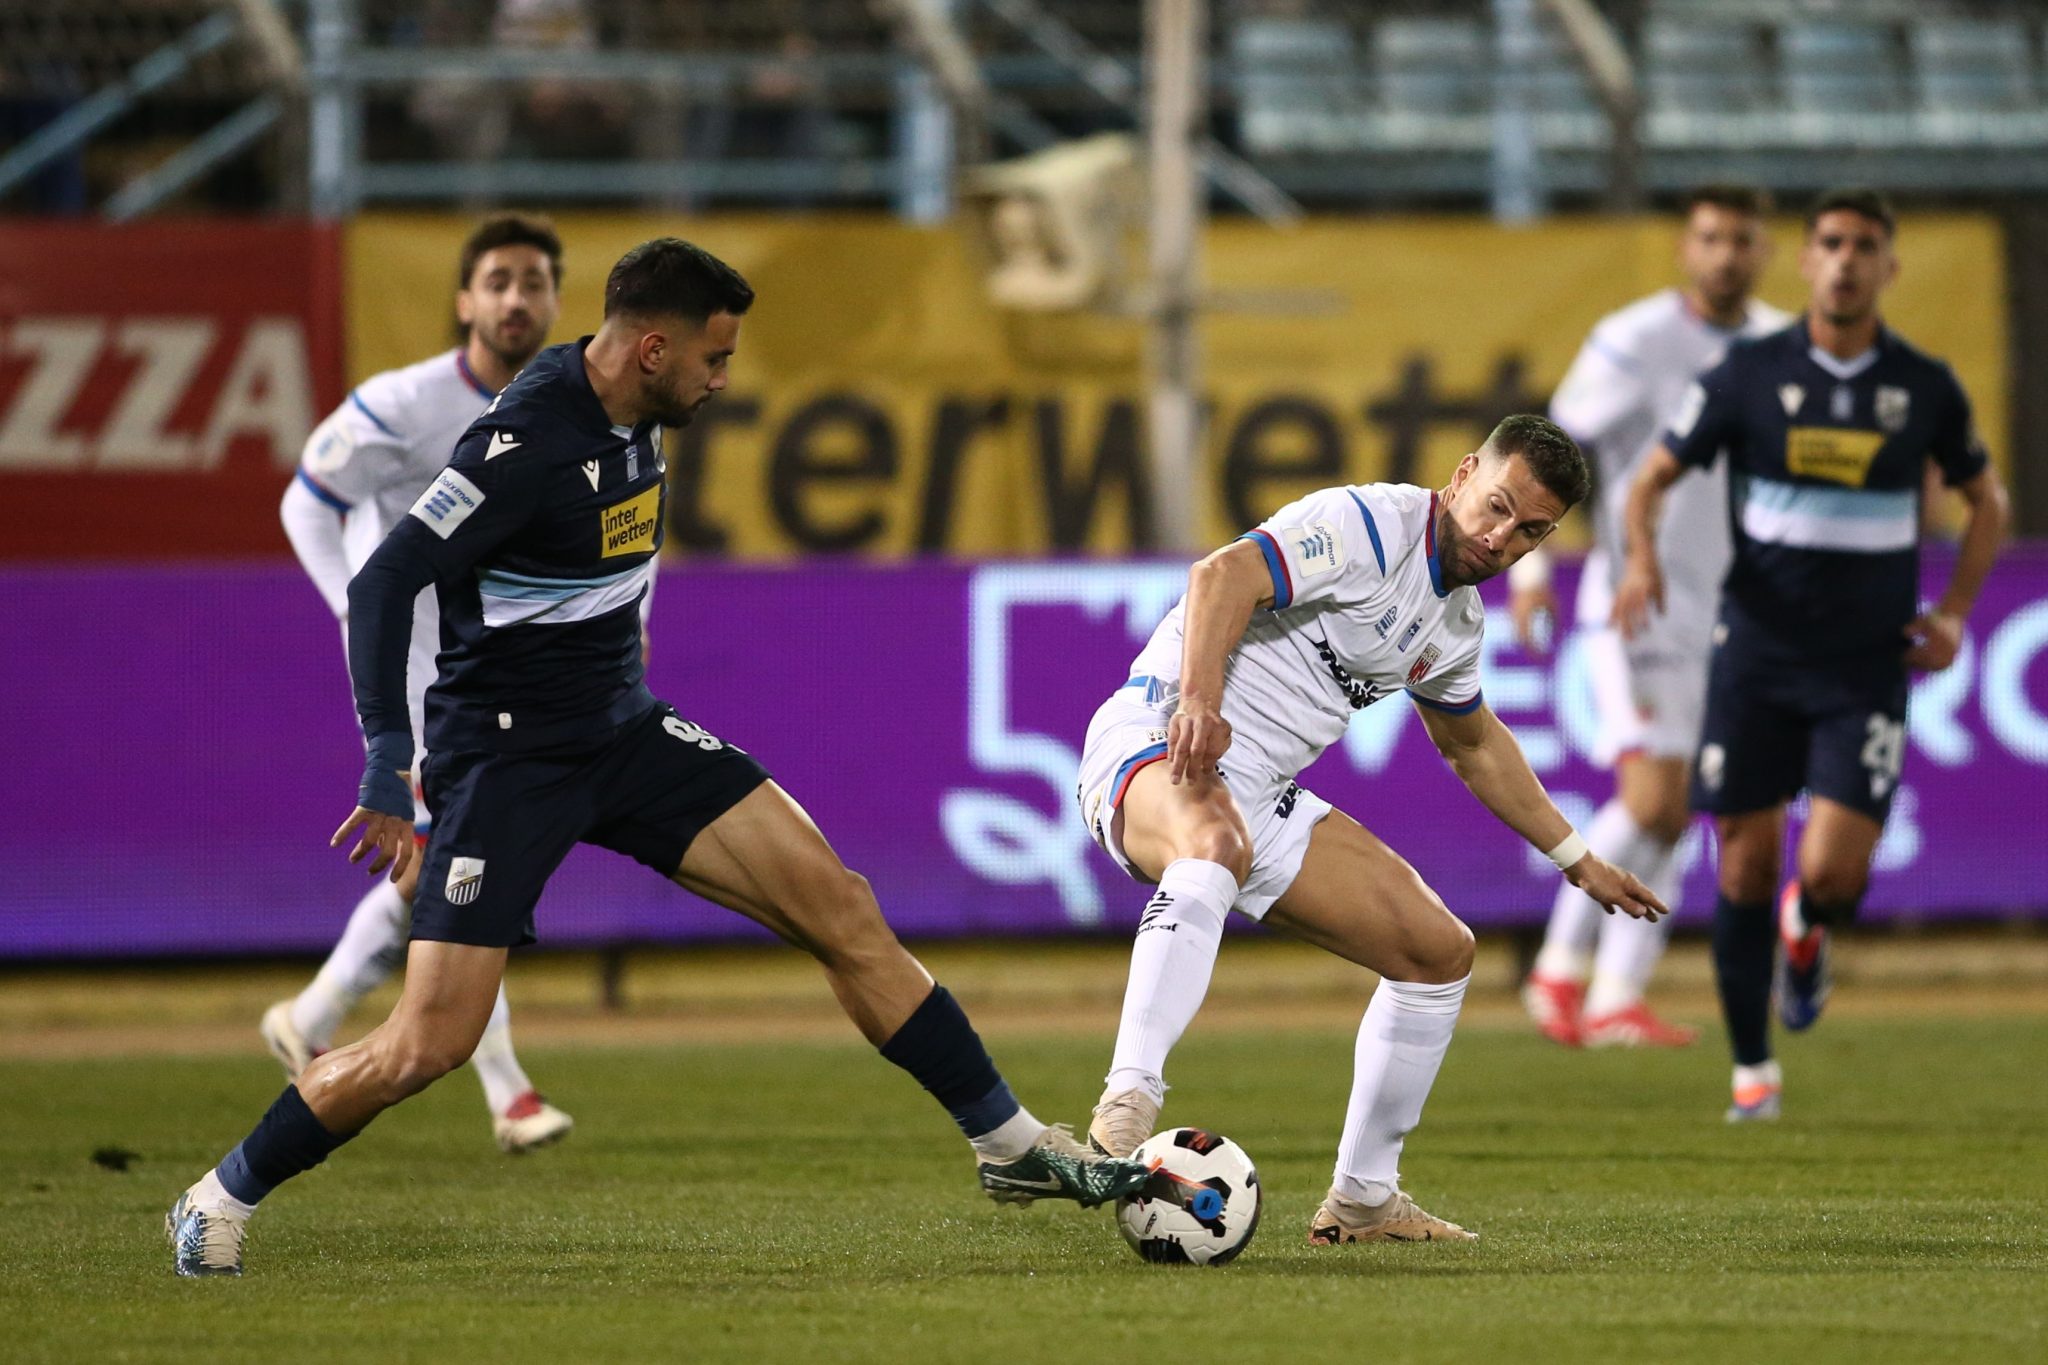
[1934,637]
[1483,753]
[1223,592]
[1642,581]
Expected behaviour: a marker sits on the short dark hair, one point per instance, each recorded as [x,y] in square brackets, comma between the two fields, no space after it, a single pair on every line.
[1855,199]
[511,229]
[1750,199]
[1552,456]
[668,277]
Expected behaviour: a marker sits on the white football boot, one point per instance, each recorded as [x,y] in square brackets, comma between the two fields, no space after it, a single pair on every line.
[530,1123]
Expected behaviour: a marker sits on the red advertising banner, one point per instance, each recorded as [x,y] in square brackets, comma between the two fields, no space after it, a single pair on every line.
[157,383]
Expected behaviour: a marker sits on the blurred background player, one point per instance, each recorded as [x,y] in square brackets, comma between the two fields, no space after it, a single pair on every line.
[1188,781]
[1616,400]
[1828,428]
[363,467]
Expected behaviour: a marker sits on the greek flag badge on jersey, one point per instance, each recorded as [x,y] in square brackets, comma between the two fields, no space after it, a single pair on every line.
[465,880]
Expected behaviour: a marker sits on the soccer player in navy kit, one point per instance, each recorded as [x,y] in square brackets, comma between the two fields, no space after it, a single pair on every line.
[541,537]
[1829,428]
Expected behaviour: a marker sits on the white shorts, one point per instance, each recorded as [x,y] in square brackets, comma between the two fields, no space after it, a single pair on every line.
[1650,695]
[1128,733]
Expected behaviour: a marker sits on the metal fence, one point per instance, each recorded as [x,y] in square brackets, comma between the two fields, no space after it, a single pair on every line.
[693,103]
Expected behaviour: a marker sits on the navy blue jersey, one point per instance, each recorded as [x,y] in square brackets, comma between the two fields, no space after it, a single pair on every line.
[540,538]
[1825,460]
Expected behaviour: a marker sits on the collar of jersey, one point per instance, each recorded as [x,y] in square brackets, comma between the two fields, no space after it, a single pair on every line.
[462,365]
[1436,567]
[1842,369]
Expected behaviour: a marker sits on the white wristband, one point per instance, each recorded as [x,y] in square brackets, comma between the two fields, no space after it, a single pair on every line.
[1569,851]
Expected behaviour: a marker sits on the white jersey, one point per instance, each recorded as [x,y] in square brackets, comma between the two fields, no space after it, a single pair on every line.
[369,462]
[376,453]
[1359,612]
[1616,401]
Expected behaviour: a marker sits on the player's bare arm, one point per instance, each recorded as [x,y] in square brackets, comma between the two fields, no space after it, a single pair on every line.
[1223,592]
[1642,582]
[1483,753]
[1936,636]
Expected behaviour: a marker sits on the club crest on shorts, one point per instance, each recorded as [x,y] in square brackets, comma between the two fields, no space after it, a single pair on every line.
[1423,663]
[465,880]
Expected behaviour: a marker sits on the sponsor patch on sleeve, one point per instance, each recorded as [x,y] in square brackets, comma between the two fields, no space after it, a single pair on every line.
[447,503]
[1689,411]
[1316,548]
[331,446]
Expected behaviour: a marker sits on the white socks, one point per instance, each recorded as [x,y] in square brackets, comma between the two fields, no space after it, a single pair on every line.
[1171,961]
[504,1080]
[372,947]
[1011,1139]
[1401,1043]
[1628,948]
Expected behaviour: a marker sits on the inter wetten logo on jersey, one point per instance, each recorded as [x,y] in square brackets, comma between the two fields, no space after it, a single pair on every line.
[465,880]
[629,526]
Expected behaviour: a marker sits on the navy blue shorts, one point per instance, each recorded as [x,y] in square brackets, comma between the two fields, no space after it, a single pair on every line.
[504,822]
[1777,724]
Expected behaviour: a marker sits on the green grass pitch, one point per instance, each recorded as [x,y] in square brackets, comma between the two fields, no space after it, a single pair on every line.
[804,1202]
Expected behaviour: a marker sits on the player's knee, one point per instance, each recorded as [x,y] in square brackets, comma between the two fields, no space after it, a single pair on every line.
[1666,820]
[1831,894]
[412,1062]
[847,922]
[1438,956]
[1221,842]
[1457,955]
[1660,812]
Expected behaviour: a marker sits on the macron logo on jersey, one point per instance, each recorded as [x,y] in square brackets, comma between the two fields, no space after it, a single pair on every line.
[447,503]
[1317,548]
[501,442]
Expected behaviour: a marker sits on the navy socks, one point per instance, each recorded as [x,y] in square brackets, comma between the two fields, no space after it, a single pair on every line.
[286,1141]
[938,1047]
[1745,942]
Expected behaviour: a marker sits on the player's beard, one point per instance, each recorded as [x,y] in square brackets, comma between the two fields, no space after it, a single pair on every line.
[1450,554]
[671,411]
[514,358]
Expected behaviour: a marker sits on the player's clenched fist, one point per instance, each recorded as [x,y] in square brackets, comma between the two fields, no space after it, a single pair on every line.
[1195,738]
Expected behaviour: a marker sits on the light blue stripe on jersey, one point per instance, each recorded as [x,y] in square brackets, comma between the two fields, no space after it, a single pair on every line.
[517,600]
[1804,516]
[521,587]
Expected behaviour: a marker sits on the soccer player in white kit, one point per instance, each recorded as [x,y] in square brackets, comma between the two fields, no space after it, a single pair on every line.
[362,469]
[1188,781]
[1650,692]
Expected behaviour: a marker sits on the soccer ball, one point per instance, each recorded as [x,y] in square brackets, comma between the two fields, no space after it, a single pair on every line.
[1202,1204]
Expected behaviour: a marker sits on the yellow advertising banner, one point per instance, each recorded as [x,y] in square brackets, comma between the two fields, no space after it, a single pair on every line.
[881,405]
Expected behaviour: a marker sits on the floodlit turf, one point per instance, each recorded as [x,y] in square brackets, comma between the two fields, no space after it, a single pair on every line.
[803,1202]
